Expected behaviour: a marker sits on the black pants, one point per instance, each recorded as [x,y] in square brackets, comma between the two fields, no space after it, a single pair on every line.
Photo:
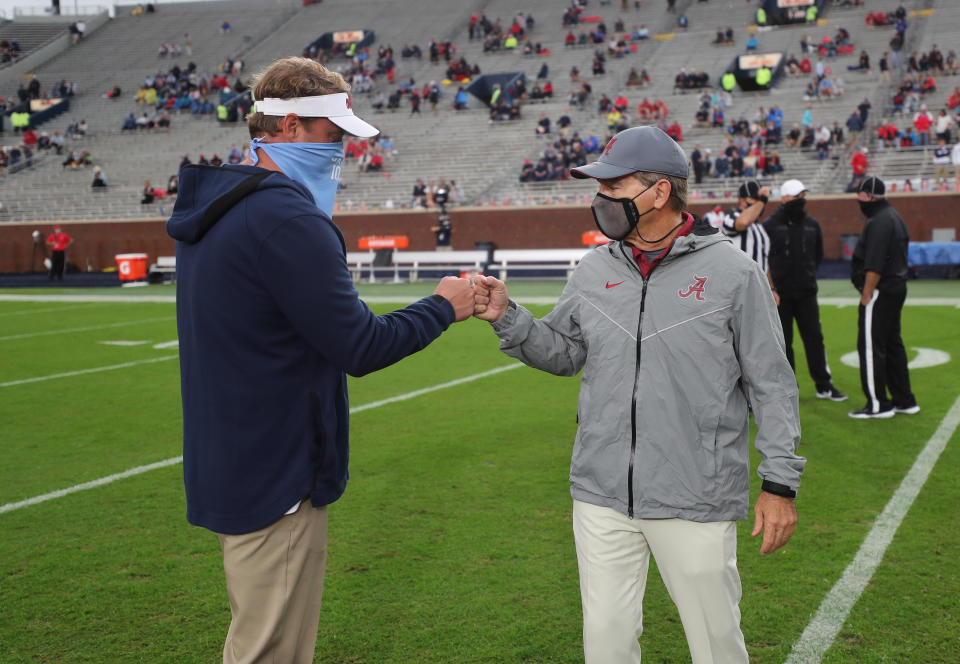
[807,314]
[883,359]
[58,263]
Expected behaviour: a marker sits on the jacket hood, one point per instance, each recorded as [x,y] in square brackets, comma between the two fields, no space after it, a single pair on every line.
[206,193]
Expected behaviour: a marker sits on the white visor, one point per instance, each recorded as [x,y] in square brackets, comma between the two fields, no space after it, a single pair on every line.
[335,107]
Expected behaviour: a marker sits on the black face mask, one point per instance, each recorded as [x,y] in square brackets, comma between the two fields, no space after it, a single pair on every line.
[794,208]
[869,208]
[616,217]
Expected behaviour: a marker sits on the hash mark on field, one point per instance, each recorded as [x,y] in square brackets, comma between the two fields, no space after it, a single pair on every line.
[88,328]
[81,372]
[821,632]
[9,507]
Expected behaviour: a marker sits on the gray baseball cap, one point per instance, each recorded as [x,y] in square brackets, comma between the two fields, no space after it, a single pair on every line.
[637,149]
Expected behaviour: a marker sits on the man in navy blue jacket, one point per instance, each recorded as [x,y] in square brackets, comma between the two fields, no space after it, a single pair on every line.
[269,325]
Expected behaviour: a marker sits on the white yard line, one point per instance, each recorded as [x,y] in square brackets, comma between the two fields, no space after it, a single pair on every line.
[823,629]
[81,372]
[88,328]
[9,507]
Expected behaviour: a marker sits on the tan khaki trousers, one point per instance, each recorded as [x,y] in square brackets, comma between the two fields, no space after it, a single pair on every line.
[275,584]
[698,564]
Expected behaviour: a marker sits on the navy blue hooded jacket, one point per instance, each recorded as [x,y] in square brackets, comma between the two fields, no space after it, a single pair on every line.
[269,325]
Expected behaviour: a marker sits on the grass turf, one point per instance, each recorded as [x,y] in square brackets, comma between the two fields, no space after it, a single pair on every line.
[453,542]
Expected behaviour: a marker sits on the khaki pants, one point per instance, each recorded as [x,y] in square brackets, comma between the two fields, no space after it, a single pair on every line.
[698,564]
[275,584]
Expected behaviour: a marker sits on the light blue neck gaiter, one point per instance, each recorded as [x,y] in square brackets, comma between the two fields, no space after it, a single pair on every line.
[314,165]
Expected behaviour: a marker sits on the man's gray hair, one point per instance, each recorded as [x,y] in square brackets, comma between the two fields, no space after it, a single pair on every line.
[678,187]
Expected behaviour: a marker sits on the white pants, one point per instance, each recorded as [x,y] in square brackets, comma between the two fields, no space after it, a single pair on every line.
[698,563]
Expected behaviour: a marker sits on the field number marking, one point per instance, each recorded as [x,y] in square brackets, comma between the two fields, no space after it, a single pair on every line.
[139,470]
[820,633]
[926,357]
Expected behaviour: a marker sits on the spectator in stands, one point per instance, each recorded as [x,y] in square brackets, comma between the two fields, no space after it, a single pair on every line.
[56,142]
[419,196]
[942,161]
[148,193]
[823,138]
[942,125]
[886,135]
[99,178]
[130,123]
[543,125]
[772,164]
[858,167]
[225,27]
[675,132]
[922,121]
[526,172]
[837,133]
[854,125]
[541,172]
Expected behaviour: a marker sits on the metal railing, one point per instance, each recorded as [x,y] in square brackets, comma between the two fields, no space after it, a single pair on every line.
[65,10]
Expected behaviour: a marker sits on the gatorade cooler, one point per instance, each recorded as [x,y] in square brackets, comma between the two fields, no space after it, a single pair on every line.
[132,267]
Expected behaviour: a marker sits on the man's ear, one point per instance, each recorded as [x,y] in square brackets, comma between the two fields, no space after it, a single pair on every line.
[663,189]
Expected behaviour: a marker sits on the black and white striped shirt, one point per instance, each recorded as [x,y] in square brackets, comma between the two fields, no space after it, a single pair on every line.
[753,240]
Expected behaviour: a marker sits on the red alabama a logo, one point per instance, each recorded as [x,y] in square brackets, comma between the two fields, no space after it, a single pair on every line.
[349,102]
[696,287]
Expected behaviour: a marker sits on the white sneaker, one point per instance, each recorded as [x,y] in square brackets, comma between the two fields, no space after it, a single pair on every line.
[909,410]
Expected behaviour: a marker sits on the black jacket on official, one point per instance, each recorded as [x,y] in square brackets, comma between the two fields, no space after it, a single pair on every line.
[796,249]
[882,248]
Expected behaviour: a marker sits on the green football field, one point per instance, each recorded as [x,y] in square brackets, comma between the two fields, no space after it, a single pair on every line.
[453,541]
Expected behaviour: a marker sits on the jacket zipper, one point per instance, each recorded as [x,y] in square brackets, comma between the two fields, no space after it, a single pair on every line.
[633,406]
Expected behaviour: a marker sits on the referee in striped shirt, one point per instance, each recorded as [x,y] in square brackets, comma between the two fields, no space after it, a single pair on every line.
[740,226]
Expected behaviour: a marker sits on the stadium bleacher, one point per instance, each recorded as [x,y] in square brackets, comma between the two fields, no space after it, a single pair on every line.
[483,158]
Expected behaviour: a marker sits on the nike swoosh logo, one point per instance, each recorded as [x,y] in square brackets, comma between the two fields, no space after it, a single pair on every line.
[609,285]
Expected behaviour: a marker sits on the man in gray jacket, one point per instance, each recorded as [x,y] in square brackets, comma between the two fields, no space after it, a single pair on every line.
[677,335]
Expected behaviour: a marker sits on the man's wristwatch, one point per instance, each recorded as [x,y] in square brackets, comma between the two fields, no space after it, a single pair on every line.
[777,489]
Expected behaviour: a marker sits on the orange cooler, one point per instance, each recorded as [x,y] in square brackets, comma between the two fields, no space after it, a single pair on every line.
[132,267]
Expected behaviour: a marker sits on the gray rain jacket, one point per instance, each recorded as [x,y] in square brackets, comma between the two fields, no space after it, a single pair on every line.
[671,364]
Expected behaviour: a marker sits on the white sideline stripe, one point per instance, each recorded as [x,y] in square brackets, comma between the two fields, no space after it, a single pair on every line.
[22,312]
[88,328]
[139,470]
[125,365]
[823,629]
[9,507]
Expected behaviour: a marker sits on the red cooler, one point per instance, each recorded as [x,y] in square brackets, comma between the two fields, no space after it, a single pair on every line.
[132,267]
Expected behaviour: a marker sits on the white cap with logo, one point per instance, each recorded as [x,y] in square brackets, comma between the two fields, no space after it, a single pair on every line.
[792,188]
